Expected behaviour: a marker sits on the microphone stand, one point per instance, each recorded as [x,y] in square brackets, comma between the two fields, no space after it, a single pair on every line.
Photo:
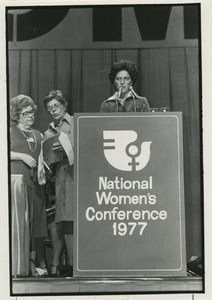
[117,107]
[134,96]
[117,99]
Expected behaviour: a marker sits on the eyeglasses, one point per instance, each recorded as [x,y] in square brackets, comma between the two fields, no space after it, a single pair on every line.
[27,113]
[125,79]
[55,106]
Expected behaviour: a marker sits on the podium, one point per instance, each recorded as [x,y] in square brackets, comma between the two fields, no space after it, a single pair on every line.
[129,194]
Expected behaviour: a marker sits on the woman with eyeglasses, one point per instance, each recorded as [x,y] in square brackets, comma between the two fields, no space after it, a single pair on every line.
[123,76]
[25,146]
[62,229]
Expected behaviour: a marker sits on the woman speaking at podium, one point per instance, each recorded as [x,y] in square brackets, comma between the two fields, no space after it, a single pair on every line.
[123,76]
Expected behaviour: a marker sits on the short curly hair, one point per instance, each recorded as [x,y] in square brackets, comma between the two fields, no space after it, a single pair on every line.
[55,94]
[18,103]
[126,65]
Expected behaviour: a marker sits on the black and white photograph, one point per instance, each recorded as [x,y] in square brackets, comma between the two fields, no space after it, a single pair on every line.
[105,109]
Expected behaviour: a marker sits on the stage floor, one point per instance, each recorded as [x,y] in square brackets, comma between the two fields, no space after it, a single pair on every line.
[89,286]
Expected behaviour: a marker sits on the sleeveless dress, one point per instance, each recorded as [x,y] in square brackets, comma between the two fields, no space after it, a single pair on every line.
[18,143]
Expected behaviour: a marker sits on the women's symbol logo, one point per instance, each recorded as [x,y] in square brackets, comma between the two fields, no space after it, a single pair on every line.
[124,152]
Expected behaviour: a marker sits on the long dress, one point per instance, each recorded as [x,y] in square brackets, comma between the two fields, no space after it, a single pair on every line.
[19,143]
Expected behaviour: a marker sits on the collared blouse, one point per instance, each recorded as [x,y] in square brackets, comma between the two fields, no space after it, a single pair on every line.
[130,104]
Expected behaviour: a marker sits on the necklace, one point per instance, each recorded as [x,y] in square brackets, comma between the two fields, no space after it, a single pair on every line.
[30,139]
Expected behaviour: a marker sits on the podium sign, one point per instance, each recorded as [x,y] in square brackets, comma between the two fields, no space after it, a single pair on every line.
[129,217]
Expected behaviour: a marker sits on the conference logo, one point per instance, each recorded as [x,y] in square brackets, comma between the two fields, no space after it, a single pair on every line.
[124,151]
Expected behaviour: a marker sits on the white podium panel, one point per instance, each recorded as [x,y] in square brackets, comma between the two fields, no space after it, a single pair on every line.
[129,216]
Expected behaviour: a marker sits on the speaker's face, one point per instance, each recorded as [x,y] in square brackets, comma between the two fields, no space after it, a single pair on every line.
[123,81]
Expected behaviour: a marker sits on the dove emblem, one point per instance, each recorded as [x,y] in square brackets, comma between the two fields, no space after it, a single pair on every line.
[124,152]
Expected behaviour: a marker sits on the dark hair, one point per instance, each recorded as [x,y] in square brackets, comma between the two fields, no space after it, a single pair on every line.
[55,94]
[126,65]
[17,104]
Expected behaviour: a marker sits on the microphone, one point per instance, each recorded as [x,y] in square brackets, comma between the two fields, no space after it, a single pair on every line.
[133,92]
[119,92]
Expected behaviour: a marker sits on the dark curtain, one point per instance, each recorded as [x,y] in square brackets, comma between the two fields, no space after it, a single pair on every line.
[168,77]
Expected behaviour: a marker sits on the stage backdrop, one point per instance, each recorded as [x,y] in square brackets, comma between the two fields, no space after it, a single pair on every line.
[73,48]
